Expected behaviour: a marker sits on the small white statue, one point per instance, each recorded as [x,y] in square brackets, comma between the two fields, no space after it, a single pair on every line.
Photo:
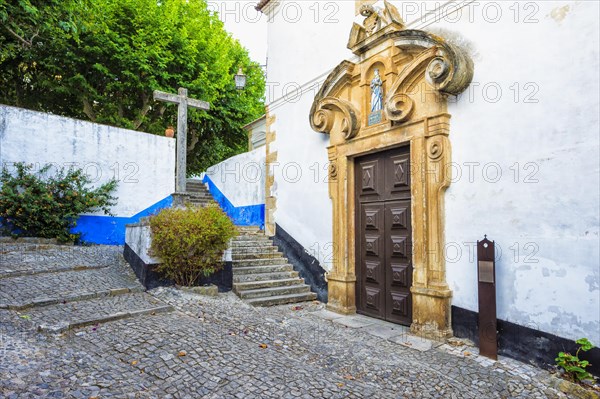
[376,93]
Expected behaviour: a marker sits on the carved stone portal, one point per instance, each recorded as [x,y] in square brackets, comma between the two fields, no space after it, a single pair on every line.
[418,70]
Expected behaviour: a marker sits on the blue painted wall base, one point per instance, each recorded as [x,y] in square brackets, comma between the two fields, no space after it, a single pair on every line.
[110,230]
[251,215]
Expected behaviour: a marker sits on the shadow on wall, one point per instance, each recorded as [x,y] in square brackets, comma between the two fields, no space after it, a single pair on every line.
[307,265]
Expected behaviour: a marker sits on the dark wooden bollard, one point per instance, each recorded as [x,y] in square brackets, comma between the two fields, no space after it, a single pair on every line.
[486,277]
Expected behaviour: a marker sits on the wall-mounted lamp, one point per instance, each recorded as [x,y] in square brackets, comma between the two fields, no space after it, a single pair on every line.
[240,80]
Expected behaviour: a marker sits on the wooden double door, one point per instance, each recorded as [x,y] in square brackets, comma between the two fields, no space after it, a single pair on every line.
[383,235]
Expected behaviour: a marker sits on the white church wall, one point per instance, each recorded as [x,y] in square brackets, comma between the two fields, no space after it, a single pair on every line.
[525,150]
[301,188]
[144,164]
[541,133]
[304,42]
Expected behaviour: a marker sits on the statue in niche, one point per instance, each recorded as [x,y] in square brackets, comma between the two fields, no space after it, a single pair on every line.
[376,92]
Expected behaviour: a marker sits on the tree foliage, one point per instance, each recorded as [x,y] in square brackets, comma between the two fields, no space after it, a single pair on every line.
[100,60]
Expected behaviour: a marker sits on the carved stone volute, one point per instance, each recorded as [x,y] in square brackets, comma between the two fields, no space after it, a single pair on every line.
[327,107]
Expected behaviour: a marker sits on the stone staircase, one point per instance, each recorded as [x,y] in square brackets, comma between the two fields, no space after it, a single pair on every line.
[261,275]
[198,194]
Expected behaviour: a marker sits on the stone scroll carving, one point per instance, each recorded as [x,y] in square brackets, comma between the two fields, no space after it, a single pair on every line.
[324,117]
[326,108]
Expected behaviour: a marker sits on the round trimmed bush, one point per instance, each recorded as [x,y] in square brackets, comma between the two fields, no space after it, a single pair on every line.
[190,242]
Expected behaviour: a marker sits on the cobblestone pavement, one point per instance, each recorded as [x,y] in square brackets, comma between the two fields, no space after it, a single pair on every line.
[222,348]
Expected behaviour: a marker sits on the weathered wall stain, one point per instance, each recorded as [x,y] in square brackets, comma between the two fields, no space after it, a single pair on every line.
[560,13]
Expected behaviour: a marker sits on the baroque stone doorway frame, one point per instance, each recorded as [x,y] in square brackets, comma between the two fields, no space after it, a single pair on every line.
[419,71]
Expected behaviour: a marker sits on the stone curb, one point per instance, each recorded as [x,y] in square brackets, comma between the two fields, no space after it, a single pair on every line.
[31,240]
[571,389]
[62,327]
[41,302]
[33,272]
[210,290]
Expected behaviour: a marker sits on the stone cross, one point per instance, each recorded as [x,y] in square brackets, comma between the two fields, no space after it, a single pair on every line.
[183,102]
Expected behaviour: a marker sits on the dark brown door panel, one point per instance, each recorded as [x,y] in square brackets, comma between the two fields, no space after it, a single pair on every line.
[383,236]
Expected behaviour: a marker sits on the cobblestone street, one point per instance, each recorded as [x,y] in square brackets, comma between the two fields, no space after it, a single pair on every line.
[70,332]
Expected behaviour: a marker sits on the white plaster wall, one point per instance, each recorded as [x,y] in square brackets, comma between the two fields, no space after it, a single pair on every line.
[301,188]
[143,163]
[545,217]
[543,209]
[302,49]
[304,42]
[241,178]
[257,131]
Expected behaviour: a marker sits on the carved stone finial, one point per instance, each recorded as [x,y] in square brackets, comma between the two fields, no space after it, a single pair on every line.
[376,19]
[366,10]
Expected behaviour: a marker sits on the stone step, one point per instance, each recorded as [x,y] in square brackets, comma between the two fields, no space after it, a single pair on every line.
[64,316]
[262,269]
[256,254]
[195,183]
[258,262]
[246,278]
[250,229]
[22,270]
[274,291]
[282,299]
[202,203]
[211,200]
[256,285]
[251,237]
[203,194]
[253,244]
[49,289]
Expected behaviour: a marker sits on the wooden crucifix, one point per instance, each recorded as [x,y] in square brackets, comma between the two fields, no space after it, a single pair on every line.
[183,101]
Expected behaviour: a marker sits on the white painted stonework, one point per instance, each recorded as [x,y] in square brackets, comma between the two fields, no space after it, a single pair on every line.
[143,163]
[139,238]
[525,150]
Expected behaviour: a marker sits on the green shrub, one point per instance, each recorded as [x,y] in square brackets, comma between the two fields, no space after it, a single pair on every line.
[573,366]
[190,242]
[39,205]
